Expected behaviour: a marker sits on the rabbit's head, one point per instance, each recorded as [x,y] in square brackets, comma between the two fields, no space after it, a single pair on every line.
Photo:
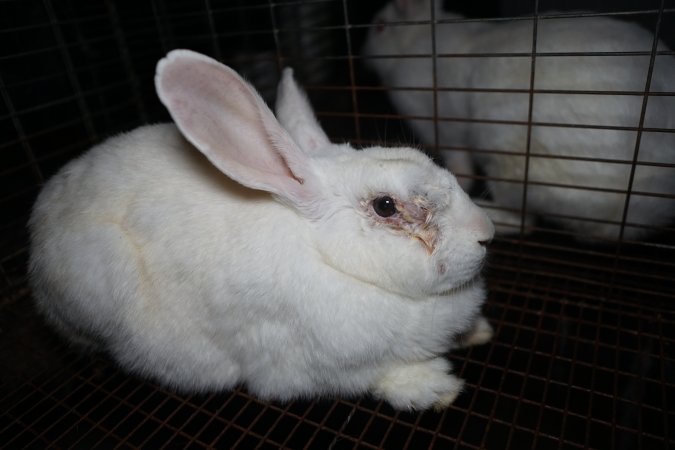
[401,27]
[388,217]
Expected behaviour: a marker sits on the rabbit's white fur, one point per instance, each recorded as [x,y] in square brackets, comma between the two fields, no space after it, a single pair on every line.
[144,249]
[603,73]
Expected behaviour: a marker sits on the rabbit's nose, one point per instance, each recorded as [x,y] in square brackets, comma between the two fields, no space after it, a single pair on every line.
[483,228]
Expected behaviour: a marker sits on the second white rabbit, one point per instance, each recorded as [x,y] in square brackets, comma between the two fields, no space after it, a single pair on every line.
[581,144]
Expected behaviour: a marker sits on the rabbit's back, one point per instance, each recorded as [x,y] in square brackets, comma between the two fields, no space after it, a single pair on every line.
[579,124]
[124,242]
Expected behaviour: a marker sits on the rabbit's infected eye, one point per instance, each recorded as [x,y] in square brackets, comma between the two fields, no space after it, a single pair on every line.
[385,206]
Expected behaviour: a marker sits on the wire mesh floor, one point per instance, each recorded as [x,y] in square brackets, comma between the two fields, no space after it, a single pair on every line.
[569,368]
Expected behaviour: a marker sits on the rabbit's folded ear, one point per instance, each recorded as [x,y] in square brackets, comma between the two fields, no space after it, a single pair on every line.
[225,118]
[296,115]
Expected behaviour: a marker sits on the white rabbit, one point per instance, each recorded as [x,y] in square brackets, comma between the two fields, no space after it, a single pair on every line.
[353,276]
[559,188]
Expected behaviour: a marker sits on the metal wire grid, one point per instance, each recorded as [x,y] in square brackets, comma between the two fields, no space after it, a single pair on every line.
[563,372]
[583,355]
[90,106]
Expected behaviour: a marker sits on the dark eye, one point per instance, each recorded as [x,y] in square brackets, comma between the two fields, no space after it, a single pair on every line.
[384,206]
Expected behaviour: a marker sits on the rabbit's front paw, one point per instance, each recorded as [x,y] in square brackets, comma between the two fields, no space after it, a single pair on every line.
[419,385]
[480,334]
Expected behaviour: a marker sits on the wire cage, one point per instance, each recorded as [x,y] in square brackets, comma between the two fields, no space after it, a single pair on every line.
[583,354]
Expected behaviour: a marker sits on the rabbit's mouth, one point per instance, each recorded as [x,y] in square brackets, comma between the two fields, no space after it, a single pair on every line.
[463,285]
[453,279]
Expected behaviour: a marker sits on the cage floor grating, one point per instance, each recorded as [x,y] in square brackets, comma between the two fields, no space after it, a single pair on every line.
[567,369]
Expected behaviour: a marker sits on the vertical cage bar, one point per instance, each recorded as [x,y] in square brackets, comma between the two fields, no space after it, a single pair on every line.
[352,78]
[638,138]
[212,28]
[70,69]
[275,34]
[528,142]
[159,14]
[21,133]
[123,47]
[434,72]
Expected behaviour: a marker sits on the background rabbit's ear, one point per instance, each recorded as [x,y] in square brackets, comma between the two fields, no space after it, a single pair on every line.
[225,118]
[296,115]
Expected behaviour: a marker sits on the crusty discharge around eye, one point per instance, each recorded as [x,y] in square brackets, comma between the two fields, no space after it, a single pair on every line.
[414,218]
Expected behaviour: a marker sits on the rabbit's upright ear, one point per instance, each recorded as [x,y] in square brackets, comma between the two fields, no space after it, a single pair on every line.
[225,118]
[296,115]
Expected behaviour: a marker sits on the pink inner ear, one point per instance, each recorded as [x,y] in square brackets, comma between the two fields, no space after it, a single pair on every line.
[219,113]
